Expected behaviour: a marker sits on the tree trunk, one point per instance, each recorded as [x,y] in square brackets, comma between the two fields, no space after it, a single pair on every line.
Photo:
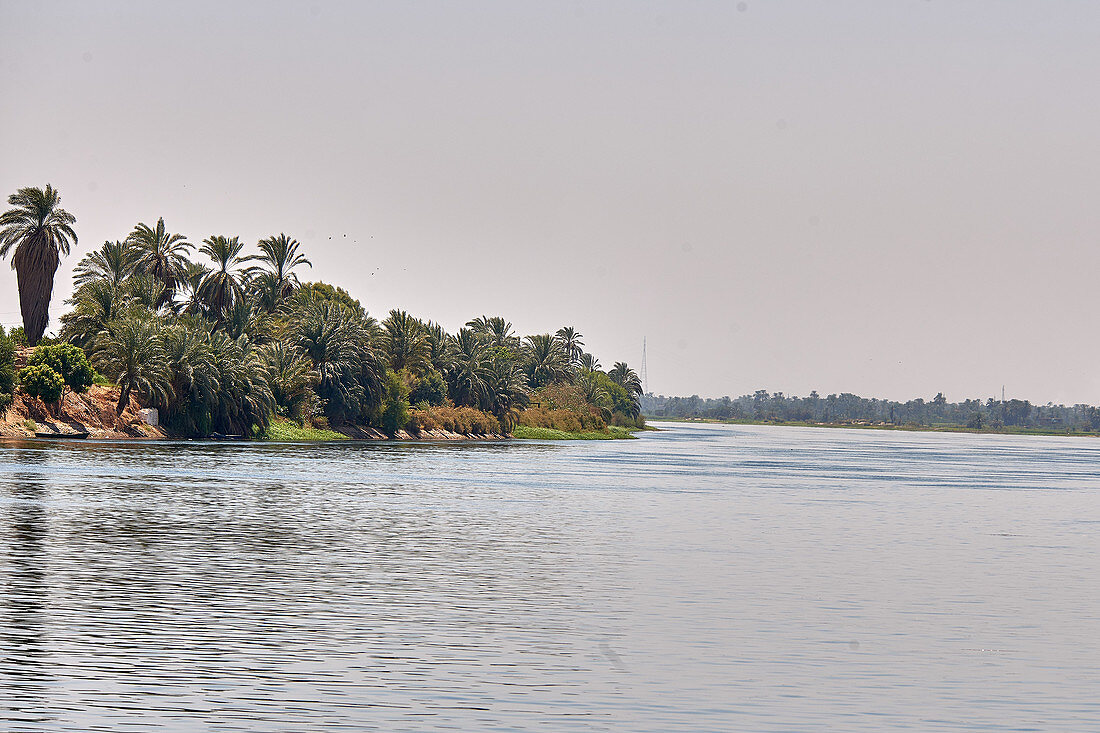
[123,399]
[35,263]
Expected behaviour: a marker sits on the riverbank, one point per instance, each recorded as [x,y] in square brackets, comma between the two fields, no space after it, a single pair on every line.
[613,432]
[94,412]
[288,431]
[1011,430]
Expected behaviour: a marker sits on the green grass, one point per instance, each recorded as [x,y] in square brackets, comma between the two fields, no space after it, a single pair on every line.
[613,433]
[288,431]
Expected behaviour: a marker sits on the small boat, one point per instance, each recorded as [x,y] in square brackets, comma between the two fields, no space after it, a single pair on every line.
[72,436]
[223,436]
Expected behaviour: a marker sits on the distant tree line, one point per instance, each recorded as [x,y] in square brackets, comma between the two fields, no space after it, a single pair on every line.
[847,408]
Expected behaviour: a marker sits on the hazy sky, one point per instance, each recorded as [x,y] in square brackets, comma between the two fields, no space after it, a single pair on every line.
[887,198]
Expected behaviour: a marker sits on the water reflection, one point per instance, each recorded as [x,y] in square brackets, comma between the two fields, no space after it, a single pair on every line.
[24,669]
[699,579]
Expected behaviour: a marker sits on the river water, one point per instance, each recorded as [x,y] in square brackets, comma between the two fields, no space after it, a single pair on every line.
[703,578]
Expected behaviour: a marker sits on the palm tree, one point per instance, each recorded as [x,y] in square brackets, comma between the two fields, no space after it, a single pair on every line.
[221,289]
[95,304]
[588,363]
[243,401]
[571,341]
[330,335]
[246,318]
[40,231]
[595,394]
[545,361]
[506,391]
[440,347]
[466,379]
[291,378]
[146,290]
[194,379]
[497,330]
[407,342]
[161,254]
[193,275]
[626,378]
[112,262]
[277,281]
[131,354]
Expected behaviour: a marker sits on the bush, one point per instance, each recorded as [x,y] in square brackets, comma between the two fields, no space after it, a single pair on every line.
[429,388]
[461,420]
[41,380]
[395,413]
[19,336]
[562,397]
[67,360]
[569,421]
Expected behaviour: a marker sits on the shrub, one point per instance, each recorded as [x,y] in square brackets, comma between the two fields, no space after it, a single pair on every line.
[461,420]
[429,388]
[562,397]
[19,336]
[67,360]
[569,421]
[41,380]
[395,413]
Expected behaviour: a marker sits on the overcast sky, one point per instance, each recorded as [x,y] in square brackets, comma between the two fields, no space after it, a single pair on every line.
[887,198]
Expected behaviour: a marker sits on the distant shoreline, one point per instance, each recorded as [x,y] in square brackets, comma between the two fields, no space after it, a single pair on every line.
[883,426]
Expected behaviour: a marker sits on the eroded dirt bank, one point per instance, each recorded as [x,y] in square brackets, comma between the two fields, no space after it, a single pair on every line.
[92,412]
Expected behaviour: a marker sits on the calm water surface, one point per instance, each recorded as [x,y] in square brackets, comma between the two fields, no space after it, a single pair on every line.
[706,578]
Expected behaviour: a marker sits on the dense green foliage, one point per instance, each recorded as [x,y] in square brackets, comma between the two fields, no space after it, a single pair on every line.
[230,341]
[42,381]
[7,370]
[67,360]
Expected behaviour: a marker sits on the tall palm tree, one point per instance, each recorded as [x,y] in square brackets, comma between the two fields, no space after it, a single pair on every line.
[588,363]
[221,289]
[275,280]
[571,341]
[162,254]
[40,231]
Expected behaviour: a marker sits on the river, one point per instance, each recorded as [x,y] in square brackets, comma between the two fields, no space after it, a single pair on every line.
[702,578]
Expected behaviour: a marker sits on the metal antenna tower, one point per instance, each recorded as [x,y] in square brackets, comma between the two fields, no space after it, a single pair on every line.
[645,370]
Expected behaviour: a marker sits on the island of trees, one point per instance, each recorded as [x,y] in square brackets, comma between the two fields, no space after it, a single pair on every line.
[226,341]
